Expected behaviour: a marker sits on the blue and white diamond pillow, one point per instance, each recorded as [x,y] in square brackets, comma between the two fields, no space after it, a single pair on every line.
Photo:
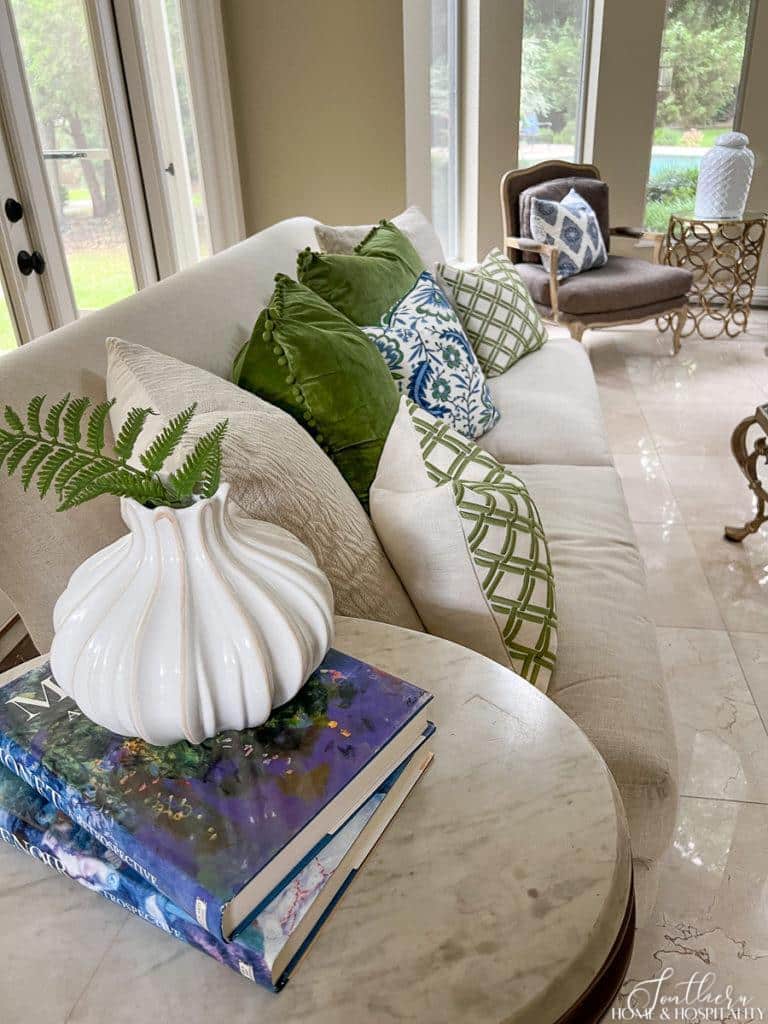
[432,361]
[573,227]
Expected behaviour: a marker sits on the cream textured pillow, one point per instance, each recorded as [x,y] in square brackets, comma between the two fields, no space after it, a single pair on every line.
[276,472]
[413,224]
[466,539]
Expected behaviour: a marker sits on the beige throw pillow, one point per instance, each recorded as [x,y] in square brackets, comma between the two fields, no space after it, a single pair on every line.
[412,222]
[276,472]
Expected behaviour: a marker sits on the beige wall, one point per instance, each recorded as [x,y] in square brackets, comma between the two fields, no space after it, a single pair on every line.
[754,121]
[492,39]
[619,133]
[318,102]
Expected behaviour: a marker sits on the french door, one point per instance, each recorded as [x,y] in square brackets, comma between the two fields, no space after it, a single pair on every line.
[105,185]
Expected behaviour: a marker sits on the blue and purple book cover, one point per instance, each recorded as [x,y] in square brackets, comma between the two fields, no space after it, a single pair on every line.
[34,826]
[199,822]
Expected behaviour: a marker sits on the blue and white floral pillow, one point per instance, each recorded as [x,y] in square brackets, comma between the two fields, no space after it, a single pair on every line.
[573,227]
[432,361]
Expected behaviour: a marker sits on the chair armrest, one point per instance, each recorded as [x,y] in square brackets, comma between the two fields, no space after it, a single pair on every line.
[528,245]
[656,238]
[531,245]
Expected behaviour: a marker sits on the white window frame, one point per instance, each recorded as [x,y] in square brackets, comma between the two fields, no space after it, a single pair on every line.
[203,34]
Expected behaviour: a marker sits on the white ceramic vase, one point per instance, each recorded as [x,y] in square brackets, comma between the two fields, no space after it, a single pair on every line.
[725,175]
[198,620]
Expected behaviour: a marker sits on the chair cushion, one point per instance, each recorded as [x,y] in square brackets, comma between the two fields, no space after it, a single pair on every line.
[608,676]
[595,192]
[543,421]
[623,283]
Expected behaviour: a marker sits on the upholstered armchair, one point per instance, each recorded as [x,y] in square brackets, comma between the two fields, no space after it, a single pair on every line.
[624,290]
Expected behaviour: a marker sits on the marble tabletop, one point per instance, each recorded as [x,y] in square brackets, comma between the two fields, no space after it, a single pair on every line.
[496,894]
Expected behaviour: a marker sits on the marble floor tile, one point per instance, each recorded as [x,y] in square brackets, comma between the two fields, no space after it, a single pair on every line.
[646,488]
[721,740]
[737,575]
[694,426]
[709,489]
[710,927]
[752,652]
[677,587]
[624,421]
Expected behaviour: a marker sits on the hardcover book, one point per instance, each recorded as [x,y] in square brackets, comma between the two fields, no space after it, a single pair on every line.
[268,949]
[218,827]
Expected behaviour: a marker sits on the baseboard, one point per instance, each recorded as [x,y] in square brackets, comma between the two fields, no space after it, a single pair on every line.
[760,296]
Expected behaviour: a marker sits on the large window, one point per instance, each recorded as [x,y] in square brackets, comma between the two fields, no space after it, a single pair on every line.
[554,48]
[444,122]
[702,54]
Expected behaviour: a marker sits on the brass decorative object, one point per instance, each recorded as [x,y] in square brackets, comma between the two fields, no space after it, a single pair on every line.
[748,462]
[724,256]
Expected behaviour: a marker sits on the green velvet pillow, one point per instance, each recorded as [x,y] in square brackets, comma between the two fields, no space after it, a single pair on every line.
[365,284]
[309,360]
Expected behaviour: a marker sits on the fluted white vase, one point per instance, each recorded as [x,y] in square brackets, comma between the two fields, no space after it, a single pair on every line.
[198,620]
[725,175]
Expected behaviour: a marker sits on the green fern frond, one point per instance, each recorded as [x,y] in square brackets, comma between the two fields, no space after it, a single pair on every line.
[37,455]
[33,414]
[211,477]
[85,477]
[50,468]
[13,420]
[53,418]
[73,416]
[95,432]
[7,444]
[166,442]
[53,456]
[129,432]
[65,474]
[187,477]
[123,482]
[24,446]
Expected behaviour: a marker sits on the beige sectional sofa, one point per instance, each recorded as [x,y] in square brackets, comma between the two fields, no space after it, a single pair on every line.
[607,678]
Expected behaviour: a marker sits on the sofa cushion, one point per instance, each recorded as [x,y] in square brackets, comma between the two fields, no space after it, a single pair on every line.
[594,191]
[310,360]
[365,284]
[623,283]
[432,361]
[608,676]
[275,470]
[550,409]
[466,539]
[496,310]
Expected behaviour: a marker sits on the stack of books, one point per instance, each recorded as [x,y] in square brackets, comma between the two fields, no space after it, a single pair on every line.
[240,846]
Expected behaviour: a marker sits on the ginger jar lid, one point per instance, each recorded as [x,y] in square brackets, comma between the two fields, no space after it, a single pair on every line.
[732,140]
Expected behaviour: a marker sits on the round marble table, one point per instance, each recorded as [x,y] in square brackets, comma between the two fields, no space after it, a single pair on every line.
[501,892]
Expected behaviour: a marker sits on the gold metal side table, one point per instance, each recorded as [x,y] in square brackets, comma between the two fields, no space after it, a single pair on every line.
[724,255]
[748,462]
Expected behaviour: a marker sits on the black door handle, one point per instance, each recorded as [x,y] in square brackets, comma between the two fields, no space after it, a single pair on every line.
[13,209]
[29,261]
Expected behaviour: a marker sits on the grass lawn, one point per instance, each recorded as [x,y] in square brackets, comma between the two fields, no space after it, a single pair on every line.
[99,278]
[674,136]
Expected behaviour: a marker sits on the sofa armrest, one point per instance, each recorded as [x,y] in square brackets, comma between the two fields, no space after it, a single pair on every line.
[531,245]
[655,238]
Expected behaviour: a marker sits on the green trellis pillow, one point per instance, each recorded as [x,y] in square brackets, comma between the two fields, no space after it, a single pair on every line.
[465,538]
[496,310]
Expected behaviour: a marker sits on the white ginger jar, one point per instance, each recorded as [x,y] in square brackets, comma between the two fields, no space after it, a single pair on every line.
[199,620]
[725,175]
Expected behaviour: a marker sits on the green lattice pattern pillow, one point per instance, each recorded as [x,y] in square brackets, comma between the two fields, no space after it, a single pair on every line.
[496,311]
[467,541]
